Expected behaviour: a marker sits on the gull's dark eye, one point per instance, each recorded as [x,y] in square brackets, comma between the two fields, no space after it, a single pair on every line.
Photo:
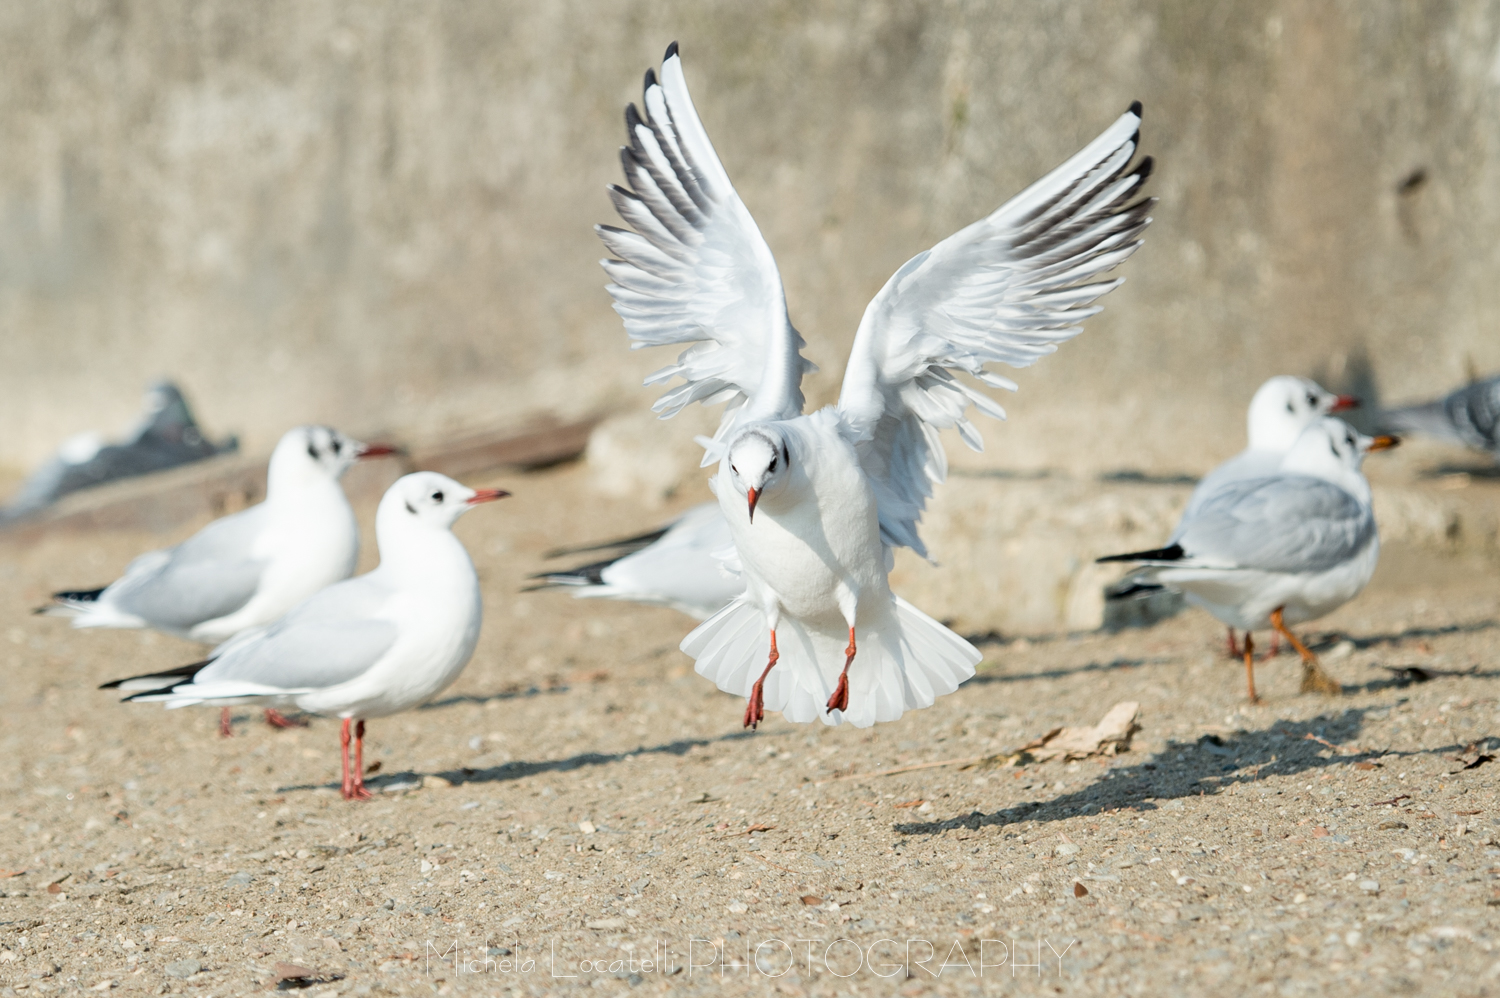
[772,468]
[437,496]
[312,451]
[734,469]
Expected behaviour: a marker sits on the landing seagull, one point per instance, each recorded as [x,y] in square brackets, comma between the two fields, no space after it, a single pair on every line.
[1280,549]
[246,569]
[817,503]
[367,647]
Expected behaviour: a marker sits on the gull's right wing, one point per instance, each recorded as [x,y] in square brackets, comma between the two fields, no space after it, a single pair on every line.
[695,269]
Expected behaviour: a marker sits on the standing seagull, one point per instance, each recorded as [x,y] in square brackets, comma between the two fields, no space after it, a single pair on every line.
[680,566]
[366,647]
[1280,549]
[1279,411]
[249,568]
[1468,416]
[837,490]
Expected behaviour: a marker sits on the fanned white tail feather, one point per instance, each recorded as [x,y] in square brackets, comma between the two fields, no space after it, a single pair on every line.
[906,660]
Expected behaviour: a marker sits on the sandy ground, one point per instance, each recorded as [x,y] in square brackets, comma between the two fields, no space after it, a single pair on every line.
[581,811]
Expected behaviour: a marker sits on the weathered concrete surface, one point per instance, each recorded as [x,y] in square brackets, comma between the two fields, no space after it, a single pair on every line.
[378,214]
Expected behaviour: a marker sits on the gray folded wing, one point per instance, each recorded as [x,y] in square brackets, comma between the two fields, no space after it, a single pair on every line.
[1289,523]
[327,639]
[210,575]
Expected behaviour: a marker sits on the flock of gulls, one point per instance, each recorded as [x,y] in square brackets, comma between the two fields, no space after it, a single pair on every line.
[788,569]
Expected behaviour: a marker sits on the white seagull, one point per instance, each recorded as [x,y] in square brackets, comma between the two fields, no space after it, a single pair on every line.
[1283,548]
[681,566]
[246,569]
[1279,411]
[816,503]
[367,647]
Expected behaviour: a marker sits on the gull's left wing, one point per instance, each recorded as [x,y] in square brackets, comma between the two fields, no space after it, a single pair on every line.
[1007,289]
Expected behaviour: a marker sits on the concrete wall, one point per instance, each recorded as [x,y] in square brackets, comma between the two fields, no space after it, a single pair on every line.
[378,214]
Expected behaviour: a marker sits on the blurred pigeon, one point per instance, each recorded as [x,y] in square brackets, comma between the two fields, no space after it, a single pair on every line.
[166,436]
[1469,416]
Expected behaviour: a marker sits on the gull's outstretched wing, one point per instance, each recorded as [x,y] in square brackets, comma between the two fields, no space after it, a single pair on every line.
[1007,289]
[696,269]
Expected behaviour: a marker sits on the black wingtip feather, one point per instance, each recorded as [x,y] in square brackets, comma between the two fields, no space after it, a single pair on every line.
[671,52]
[181,672]
[1135,108]
[1143,170]
[1173,553]
[650,79]
[80,595]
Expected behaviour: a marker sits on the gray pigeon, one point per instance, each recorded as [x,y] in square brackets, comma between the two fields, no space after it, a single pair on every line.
[1469,416]
[166,436]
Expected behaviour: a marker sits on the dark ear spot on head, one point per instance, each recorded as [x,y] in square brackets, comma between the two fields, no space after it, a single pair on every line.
[786,455]
[312,451]
[411,509]
[1291,408]
[337,446]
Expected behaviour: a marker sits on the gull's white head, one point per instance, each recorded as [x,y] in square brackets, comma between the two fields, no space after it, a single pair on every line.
[1284,406]
[759,461]
[429,500]
[309,454]
[1333,450]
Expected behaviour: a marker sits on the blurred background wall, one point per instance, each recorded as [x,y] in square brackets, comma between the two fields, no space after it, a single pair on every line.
[379,214]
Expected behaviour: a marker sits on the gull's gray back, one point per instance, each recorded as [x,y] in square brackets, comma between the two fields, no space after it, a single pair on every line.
[327,639]
[1291,523]
[210,575]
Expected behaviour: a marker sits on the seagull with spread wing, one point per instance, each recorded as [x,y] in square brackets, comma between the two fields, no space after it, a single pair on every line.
[816,503]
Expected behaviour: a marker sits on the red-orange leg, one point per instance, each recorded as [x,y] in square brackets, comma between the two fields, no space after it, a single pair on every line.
[1250,666]
[840,698]
[347,787]
[1234,646]
[277,719]
[755,710]
[225,731]
[358,791]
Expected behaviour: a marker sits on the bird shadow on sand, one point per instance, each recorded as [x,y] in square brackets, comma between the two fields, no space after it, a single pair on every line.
[1327,640]
[1208,767]
[1489,472]
[994,676]
[521,768]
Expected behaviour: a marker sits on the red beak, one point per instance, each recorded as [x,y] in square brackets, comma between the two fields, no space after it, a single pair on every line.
[486,495]
[1343,402]
[1384,443]
[376,450]
[754,497]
